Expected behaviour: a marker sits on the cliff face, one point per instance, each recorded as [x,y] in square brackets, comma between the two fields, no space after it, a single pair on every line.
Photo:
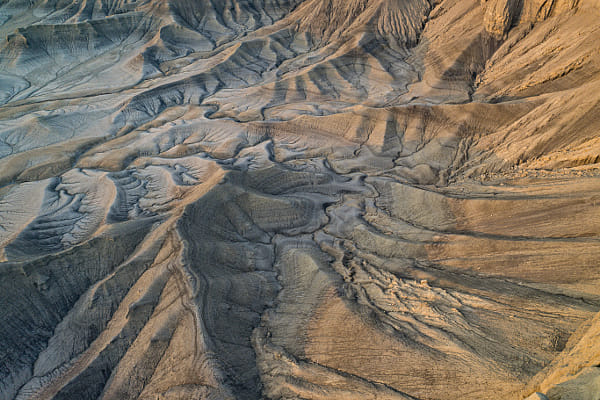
[501,15]
[318,199]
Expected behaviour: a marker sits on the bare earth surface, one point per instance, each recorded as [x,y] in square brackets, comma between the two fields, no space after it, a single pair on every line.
[299,199]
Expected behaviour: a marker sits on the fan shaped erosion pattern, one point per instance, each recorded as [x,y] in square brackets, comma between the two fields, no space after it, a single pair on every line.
[299,199]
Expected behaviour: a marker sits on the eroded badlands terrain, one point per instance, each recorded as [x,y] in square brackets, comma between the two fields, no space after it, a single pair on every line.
[299,199]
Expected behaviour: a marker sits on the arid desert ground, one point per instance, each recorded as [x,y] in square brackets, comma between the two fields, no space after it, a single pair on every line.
[299,199]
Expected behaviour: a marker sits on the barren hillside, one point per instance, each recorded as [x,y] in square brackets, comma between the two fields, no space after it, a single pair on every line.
[299,199]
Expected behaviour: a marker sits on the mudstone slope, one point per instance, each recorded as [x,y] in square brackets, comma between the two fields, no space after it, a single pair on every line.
[299,199]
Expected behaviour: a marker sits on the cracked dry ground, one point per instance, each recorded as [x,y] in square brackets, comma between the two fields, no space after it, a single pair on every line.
[299,199]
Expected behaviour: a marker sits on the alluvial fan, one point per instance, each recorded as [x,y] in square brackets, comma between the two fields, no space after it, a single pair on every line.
[299,199]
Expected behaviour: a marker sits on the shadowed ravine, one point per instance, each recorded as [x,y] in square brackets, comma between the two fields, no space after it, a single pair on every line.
[299,199]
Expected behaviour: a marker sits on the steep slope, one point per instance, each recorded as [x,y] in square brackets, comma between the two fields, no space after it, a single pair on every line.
[316,199]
